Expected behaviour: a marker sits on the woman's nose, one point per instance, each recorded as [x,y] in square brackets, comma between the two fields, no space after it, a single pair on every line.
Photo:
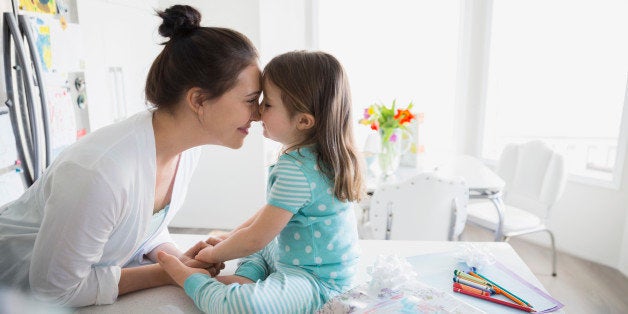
[256,113]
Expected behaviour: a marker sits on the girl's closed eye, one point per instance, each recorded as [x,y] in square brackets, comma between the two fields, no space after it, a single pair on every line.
[264,106]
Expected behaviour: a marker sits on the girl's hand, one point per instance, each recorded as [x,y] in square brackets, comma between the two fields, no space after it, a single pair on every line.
[213,240]
[188,259]
[205,255]
[176,269]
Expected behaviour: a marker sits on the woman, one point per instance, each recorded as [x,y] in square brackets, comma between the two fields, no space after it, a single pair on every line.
[105,203]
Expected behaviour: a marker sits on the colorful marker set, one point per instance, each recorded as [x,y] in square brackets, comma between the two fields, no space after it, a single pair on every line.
[476,285]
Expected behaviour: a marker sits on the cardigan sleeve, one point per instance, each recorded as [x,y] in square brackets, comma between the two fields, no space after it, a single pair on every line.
[80,213]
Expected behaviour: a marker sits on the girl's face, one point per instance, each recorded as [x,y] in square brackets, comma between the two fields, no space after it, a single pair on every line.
[278,125]
[228,118]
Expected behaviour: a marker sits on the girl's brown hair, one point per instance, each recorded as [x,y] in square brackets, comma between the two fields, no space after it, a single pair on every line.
[207,57]
[316,83]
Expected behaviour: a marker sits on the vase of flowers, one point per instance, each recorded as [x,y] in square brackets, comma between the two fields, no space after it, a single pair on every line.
[391,124]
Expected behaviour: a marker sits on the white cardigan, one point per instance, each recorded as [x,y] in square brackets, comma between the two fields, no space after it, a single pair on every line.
[84,219]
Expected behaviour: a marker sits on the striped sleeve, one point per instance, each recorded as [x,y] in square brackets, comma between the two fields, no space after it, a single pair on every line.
[290,190]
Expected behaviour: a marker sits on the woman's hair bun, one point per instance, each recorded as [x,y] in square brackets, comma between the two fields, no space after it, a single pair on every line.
[178,20]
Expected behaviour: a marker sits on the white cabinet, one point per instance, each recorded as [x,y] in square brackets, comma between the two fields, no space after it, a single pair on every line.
[121,41]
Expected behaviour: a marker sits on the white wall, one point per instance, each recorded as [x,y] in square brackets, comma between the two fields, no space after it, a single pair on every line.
[283,27]
[623,259]
[590,222]
[241,15]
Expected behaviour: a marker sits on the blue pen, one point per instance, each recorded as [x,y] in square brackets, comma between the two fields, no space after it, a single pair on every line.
[474,285]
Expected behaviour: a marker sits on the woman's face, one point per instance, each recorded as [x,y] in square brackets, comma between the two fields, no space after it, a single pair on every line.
[228,117]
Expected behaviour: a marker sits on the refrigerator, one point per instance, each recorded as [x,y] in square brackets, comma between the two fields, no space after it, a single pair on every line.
[44,107]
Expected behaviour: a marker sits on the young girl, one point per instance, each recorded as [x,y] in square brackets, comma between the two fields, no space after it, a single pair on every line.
[301,247]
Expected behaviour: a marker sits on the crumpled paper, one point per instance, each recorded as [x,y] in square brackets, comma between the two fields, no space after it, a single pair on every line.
[395,288]
[474,255]
[390,272]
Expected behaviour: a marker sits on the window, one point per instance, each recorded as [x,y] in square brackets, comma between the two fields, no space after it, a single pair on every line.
[403,50]
[558,72]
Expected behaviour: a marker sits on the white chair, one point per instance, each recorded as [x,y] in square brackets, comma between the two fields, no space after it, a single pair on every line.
[425,207]
[535,179]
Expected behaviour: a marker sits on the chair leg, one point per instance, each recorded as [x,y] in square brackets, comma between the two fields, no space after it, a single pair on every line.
[553,252]
[506,238]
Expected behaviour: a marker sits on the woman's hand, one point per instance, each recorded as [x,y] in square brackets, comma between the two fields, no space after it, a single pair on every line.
[178,271]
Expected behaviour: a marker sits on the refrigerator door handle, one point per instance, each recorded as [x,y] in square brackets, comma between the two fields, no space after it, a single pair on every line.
[32,169]
[13,105]
[35,57]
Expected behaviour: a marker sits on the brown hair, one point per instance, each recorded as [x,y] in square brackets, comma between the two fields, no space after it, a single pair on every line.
[315,83]
[207,57]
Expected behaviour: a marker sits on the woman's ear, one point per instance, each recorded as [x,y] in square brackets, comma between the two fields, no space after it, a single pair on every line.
[194,100]
[305,121]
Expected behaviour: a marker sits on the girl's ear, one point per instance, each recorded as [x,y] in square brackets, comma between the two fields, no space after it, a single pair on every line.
[194,100]
[305,121]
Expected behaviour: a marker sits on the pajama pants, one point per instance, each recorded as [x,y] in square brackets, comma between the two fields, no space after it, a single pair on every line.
[277,288]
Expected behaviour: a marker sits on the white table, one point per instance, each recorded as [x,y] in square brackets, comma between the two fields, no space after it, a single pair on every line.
[172,299]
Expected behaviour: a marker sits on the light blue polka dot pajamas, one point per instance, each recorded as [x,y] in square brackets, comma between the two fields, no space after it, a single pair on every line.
[313,258]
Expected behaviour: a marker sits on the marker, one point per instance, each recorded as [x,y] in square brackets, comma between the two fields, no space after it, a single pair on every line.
[466,276]
[474,285]
[498,301]
[499,289]
[13,168]
[470,289]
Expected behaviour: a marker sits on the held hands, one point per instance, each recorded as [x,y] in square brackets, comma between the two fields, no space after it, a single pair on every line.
[180,268]
[188,259]
[178,271]
[205,254]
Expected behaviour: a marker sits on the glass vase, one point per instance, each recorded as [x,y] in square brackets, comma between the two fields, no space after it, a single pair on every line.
[390,151]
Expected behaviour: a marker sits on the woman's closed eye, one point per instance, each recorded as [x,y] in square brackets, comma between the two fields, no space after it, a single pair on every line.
[253,101]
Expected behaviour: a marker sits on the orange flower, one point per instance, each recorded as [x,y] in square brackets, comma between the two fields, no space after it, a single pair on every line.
[404,116]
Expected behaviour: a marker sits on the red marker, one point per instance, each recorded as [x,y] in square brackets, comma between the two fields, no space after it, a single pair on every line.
[470,289]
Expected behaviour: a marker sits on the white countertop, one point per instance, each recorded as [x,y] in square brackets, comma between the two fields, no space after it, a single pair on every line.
[172,299]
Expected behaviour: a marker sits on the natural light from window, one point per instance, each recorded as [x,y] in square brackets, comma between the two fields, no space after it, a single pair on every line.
[558,72]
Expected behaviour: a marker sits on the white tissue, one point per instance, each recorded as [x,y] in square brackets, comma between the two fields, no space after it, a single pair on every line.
[390,272]
[473,255]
